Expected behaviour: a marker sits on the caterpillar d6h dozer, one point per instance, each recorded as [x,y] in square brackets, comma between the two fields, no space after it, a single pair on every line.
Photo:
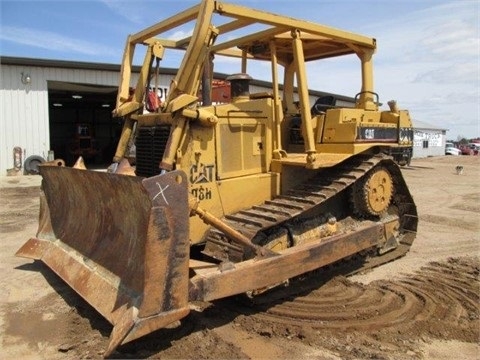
[234,197]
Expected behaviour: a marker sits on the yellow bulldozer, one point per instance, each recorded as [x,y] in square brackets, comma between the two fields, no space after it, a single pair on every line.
[228,198]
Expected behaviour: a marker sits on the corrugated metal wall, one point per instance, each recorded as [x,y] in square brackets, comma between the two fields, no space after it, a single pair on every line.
[24,113]
[24,116]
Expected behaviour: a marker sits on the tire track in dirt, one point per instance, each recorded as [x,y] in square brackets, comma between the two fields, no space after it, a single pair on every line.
[384,318]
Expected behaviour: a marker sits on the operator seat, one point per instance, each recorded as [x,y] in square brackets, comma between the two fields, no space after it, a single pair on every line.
[322,104]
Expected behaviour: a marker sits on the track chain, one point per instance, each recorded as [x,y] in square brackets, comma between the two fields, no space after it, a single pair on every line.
[314,192]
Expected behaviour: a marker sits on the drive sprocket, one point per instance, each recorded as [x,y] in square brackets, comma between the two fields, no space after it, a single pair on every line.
[373,193]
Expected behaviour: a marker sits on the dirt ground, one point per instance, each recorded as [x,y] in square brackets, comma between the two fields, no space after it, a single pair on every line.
[422,306]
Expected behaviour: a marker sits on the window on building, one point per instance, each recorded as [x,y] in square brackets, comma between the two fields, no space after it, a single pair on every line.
[425,144]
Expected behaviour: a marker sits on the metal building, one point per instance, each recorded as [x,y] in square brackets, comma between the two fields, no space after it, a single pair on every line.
[62,109]
[428,140]
[45,104]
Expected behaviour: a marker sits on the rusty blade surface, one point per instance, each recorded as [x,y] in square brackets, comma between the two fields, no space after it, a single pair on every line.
[121,242]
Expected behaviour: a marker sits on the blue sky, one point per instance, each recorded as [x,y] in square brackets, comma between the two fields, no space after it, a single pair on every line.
[427,58]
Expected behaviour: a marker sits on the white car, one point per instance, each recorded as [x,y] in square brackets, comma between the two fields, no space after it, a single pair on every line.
[450,149]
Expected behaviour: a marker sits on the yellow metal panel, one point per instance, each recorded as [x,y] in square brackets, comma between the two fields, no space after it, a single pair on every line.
[405,120]
[341,124]
[370,117]
[241,148]
[339,133]
[243,137]
[333,118]
[389,117]
[243,192]
[199,164]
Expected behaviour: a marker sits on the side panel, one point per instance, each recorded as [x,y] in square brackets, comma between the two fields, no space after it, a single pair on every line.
[375,132]
[199,163]
[244,137]
[358,125]
[341,125]
[243,192]
[241,147]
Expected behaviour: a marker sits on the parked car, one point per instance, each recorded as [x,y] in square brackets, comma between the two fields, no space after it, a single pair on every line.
[470,149]
[450,149]
[475,147]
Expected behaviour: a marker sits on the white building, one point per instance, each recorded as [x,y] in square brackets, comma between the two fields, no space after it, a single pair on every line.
[42,101]
[428,140]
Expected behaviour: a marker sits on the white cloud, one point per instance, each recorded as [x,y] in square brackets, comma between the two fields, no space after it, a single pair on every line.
[451,30]
[449,73]
[429,61]
[51,41]
[180,34]
[443,32]
[448,43]
[128,10]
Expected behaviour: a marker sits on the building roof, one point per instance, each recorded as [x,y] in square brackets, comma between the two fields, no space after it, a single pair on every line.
[417,124]
[63,64]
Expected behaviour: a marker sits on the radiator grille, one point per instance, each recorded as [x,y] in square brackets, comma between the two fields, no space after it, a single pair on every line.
[150,146]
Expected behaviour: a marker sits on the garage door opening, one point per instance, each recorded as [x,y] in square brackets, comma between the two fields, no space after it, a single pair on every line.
[81,122]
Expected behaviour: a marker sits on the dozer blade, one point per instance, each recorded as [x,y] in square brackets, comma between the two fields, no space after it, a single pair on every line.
[121,242]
